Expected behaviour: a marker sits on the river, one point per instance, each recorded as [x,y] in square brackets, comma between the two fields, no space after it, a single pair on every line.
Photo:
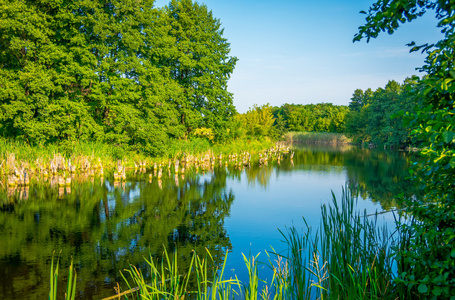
[105,226]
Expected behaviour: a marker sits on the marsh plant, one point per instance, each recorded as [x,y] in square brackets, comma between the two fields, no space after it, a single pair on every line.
[317,137]
[70,293]
[350,256]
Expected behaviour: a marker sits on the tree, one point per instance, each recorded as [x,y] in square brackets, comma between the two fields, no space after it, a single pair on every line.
[376,120]
[430,260]
[130,75]
[258,120]
[202,66]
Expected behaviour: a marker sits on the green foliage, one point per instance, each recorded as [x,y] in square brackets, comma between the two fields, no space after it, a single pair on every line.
[70,286]
[129,75]
[321,117]
[375,116]
[429,258]
[257,121]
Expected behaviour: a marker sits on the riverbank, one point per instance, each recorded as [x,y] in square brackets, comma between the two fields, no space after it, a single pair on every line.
[21,163]
[16,154]
[317,138]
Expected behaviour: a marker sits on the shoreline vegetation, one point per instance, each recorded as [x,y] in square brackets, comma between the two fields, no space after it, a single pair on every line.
[22,160]
[20,163]
[317,138]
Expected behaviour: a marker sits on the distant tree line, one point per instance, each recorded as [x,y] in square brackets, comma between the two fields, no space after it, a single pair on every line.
[275,121]
[379,117]
[124,73]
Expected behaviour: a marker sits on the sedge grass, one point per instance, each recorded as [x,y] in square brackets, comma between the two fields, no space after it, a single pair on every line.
[95,153]
[70,285]
[349,257]
[317,137]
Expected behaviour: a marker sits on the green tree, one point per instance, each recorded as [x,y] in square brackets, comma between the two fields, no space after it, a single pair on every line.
[258,120]
[376,119]
[430,262]
[130,75]
[45,73]
[202,66]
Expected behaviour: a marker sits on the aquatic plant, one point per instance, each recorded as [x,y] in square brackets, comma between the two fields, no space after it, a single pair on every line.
[317,137]
[349,257]
[71,283]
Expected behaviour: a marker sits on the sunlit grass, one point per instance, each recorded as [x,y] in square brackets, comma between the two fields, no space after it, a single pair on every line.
[349,257]
[71,283]
[317,137]
[99,153]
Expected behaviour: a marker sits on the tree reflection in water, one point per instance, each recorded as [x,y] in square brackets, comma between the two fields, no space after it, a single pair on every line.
[105,226]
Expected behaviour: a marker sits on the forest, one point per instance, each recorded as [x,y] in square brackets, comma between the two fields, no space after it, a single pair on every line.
[140,77]
[129,75]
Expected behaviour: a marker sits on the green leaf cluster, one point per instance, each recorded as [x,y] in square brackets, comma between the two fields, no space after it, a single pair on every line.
[257,121]
[122,72]
[428,258]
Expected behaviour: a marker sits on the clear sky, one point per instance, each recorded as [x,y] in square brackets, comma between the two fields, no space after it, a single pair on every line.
[301,51]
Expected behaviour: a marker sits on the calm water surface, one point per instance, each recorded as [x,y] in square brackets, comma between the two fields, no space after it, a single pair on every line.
[105,226]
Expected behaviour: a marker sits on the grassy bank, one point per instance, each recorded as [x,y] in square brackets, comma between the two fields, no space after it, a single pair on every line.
[34,157]
[317,137]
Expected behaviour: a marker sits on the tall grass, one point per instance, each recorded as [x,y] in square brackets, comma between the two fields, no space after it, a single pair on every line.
[357,251]
[317,137]
[349,257]
[108,154]
[70,285]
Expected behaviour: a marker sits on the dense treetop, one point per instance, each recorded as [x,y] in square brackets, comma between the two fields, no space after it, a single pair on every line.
[123,72]
[374,115]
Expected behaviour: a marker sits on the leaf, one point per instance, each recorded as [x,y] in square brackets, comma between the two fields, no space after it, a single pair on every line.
[452,162]
[437,291]
[423,288]
[448,136]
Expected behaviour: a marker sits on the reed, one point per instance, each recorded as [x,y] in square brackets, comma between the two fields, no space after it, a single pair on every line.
[96,154]
[70,285]
[349,257]
[317,137]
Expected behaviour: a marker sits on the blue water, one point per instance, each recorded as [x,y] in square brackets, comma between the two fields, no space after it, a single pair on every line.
[104,227]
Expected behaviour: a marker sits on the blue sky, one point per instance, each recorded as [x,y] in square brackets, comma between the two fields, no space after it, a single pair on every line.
[301,52]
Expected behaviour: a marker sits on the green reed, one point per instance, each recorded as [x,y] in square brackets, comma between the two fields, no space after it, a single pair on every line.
[317,137]
[358,252]
[349,257]
[108,155]
[70,285]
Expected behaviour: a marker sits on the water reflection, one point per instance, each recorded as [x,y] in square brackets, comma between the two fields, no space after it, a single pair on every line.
[106,224]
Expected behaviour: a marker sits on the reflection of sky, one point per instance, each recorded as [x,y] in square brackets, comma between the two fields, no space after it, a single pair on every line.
[295,51]
[257,213]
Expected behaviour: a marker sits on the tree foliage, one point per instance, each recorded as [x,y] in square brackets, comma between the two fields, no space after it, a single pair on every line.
[115,71]
[257,121]
[430,256]
[374,115]
[321,117]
